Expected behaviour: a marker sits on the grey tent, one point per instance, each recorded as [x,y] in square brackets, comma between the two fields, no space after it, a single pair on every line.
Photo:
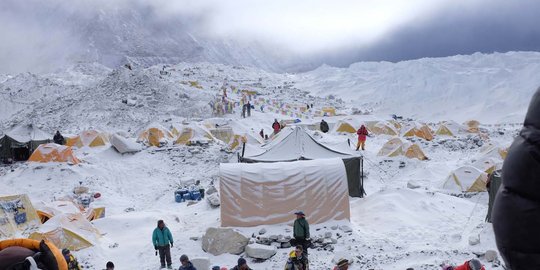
[494,182]
[19,143]
[296,144]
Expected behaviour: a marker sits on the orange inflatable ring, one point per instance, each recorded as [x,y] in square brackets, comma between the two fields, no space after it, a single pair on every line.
[34,245]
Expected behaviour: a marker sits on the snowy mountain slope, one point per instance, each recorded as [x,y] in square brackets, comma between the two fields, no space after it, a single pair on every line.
[488,87]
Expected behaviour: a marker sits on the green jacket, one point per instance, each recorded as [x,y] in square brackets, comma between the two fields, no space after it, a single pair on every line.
[301,228]
[162,237]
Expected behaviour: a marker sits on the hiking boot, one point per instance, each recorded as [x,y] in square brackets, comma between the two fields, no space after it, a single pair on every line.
[162,266]
[169,266]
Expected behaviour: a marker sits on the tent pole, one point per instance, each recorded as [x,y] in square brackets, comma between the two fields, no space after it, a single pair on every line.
[243,148]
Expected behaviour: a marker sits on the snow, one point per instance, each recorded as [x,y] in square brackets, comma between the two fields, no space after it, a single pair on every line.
[393,227]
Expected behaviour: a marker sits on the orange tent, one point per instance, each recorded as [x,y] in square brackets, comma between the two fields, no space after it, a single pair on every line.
[155,135]
[52,152]
[91,138]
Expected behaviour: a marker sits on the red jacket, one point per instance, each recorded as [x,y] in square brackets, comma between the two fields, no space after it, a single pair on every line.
[465,266]
[276,126]
[362,133]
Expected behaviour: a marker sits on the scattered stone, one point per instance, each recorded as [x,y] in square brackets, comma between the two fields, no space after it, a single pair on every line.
[335,227]
[194,238]
[273,237]
[327,241]
[327,234]
[286,245]
[211,190]
[491,255]
[259,251]
[262,231]
[345,229]
[129,209]
[456,237]
[474,239]
[264,241]
[334,241]
[413,184]
[213,200]
[189,203]
[115,245]
[217,241]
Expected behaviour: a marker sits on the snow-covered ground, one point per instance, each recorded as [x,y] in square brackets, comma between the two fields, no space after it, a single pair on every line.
[394,227]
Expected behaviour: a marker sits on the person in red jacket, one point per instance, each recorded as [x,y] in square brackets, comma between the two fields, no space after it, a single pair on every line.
[276,126]
[473,264]
[362,135]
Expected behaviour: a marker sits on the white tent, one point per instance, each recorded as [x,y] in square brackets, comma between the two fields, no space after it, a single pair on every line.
[294,144]
[124,145]
[269,193]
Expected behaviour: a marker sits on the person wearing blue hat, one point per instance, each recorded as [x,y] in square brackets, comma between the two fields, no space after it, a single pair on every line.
[301,232]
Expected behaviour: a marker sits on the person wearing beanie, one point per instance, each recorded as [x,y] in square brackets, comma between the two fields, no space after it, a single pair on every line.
[342,264]
[185,263]
[163,241]
[301,234]
[241,265]
[109,266]
[516,211]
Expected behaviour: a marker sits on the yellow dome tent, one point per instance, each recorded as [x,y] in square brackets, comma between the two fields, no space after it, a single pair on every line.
[191,134]
[418,130]
[17,214]
[384,127]
[52,152]
[466,179]
[155,135]
[397,147]
[91,138]
[343,126]
[449,128]
[472,126]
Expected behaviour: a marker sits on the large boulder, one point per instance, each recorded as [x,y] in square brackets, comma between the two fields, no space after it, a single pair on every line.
[213,199]
[201,263]
[217,241]
[258,251]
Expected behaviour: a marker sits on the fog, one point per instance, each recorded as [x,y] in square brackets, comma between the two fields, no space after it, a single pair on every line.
[41,35]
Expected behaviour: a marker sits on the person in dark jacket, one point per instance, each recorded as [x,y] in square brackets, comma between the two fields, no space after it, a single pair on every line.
[244,108]
[72,263]
[301,232]
[241,265]
[109,265]
[163,241]
[58,138]
[516,211]
[186,264]
[297,260]
[249,109]
[324,126]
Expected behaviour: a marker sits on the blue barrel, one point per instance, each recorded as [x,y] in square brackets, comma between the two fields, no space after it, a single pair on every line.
[195,195]
[186,196]
[178,197]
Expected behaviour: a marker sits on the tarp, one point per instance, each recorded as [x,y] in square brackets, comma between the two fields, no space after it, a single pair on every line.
[52,152]
[495,180]
[21,141]
[124,145]
[269,193]
[17,214]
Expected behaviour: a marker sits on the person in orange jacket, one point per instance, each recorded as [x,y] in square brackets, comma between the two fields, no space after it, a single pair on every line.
[362,135]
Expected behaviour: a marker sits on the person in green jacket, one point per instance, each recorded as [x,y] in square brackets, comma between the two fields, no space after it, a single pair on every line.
[161,239]
[301,232]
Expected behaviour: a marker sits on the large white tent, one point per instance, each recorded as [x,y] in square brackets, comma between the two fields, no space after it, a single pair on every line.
[269,193]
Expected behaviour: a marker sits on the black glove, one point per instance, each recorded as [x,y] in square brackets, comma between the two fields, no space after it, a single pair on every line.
[155,247]
[171,244]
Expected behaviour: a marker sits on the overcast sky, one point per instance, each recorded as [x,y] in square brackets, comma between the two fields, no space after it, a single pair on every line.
[337,32]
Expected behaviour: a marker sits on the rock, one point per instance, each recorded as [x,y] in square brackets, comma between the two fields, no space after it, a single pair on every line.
[334,241]
[345,228]
[200,262]
[456,237]
[288,230]
[413,184]
[211,190]
[342,255]
[335,227]
[264,241]
[327,241]
[189,203]
[273,237]
[217,241]
[327,234]
[262,231]
[474,239]
[194,238]
[275,244]
[286,245]
[259,251]
[491,255]
[213,200]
